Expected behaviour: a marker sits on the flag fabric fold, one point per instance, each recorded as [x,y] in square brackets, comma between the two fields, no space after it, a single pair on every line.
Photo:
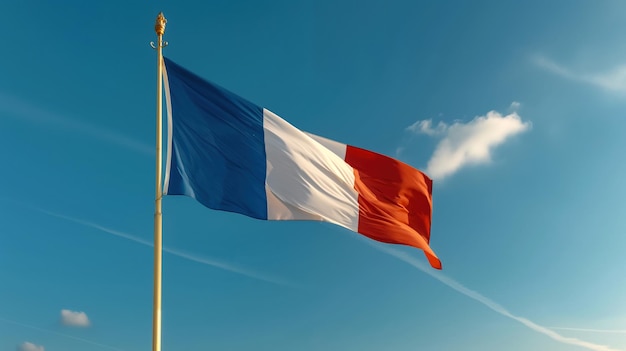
[232,155]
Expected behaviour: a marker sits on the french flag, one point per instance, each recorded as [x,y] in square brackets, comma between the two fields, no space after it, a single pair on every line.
[232,155]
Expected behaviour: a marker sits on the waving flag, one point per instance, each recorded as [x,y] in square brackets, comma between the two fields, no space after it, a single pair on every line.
[232,155]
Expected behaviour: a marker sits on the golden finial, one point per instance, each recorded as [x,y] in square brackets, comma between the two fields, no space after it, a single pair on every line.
[159,25]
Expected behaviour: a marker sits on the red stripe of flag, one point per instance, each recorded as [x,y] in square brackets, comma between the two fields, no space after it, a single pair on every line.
[395,202]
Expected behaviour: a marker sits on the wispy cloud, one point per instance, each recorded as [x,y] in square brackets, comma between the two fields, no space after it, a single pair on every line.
[474,295]
[207,261]
[426,127]
[468,143]
[13,106]
[607,331]
[29,346]
[74,319]
[515,106]
[60,334]
[613,79]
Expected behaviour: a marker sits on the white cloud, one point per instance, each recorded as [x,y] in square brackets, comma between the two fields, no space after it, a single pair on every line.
[613,80]
[476,296]
[74,319]
[60,334]
[29,346]
[468,143]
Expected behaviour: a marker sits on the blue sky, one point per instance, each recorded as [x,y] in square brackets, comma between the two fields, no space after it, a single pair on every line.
[514,107]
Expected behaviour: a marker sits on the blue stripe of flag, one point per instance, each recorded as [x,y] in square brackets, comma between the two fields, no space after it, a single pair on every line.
[218,150]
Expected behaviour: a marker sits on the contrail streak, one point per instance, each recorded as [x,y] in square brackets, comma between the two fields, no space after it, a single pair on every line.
[488,302]
[211,262]
[27,111]
[609,331]
[60,334]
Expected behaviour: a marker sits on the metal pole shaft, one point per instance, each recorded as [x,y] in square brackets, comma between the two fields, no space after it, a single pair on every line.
[158,227]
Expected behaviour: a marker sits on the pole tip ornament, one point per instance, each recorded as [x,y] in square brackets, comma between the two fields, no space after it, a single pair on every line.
[159,25]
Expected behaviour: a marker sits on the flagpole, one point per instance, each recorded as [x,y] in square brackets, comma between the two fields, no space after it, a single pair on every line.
[159,28]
